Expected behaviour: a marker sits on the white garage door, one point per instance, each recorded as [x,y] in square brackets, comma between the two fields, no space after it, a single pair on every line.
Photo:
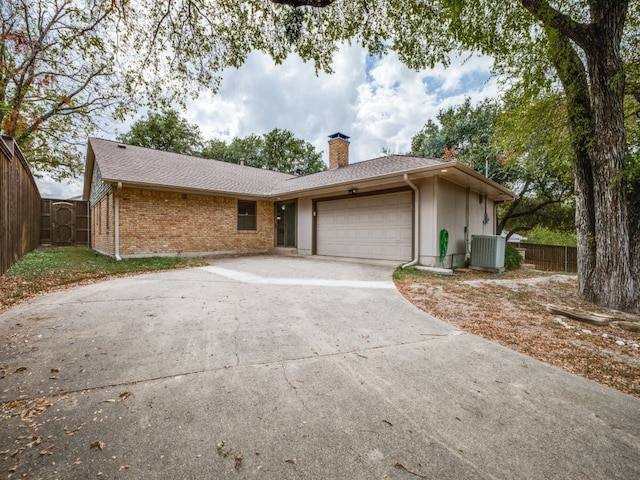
[378,226]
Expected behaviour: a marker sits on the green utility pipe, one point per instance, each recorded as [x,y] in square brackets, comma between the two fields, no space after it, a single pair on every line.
[444,245]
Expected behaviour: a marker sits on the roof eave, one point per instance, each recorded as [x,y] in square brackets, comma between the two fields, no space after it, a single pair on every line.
[356,182]
[178,189]
[505,193]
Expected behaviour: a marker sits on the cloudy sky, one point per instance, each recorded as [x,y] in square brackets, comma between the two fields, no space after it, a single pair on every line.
[378,102]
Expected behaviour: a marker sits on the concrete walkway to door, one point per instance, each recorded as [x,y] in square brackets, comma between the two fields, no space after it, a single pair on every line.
[287,368]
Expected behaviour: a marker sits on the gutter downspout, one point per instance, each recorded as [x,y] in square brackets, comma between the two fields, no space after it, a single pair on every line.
[416,211]
[117,221]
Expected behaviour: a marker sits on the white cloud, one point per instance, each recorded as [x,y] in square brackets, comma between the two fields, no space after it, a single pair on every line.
[378,102]
[261,96]
[65,189]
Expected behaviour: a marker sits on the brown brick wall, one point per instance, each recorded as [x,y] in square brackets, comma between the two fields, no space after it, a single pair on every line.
[153,222]
[103,224]
[338,153]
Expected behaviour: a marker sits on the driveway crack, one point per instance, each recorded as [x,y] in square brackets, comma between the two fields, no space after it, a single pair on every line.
[293,387]
[235,342]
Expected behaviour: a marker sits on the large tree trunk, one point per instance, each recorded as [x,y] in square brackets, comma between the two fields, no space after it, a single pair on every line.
[573,76]
[606,273]
[614,276]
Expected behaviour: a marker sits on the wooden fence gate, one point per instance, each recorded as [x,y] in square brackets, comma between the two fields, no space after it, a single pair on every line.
[64,222]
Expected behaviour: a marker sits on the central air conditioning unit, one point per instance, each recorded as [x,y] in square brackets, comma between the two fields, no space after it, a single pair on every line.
[487,252]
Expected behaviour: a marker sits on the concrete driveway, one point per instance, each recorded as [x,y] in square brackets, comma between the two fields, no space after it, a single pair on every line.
[287,368]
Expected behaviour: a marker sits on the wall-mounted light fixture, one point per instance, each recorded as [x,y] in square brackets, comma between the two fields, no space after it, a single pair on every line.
[353,191]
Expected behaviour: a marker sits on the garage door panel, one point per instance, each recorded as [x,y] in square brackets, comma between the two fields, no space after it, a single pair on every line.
[378,234]
[378,226]
[377,217]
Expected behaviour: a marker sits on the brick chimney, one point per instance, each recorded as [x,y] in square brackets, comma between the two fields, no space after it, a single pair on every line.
[338,150]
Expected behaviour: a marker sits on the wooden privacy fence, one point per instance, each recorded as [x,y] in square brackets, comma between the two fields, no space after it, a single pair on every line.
[552,258]
[19,205]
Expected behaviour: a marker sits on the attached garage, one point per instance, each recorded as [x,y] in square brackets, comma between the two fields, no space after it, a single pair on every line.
[373,226]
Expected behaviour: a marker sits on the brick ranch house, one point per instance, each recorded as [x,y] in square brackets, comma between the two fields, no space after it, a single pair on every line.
[146,203]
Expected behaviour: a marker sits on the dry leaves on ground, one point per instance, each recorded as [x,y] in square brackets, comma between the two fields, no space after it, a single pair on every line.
[509,309]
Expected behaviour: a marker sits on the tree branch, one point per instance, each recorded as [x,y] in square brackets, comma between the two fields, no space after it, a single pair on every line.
[535,209]
[58,106]
[523,228]
[550,17]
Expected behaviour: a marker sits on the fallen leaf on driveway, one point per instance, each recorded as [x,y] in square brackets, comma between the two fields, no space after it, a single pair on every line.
[98,445]
[292,461]
[400,466]
[35,440]
[72,430]
[34,408]
[47,451]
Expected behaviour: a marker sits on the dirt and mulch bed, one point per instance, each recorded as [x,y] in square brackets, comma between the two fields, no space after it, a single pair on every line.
[511,309]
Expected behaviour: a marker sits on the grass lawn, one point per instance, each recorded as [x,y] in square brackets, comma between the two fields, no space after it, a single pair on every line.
[48,268]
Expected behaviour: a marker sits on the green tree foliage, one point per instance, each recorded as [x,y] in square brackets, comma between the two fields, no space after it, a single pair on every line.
[57,76]
[464,132]
[166,131]
[532,212]
[248,148]
[515,150]
[285,153]
[277,150]
[533,137]
[546,236]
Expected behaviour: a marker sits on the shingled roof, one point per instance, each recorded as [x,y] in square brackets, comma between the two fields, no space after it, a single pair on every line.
[148,167]
[368,169]
[157,169]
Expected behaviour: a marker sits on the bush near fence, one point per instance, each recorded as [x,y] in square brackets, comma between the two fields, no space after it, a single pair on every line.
[19,205]
[551,258]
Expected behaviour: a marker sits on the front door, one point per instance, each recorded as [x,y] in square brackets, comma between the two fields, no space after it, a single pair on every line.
[63,216]
[285,215]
